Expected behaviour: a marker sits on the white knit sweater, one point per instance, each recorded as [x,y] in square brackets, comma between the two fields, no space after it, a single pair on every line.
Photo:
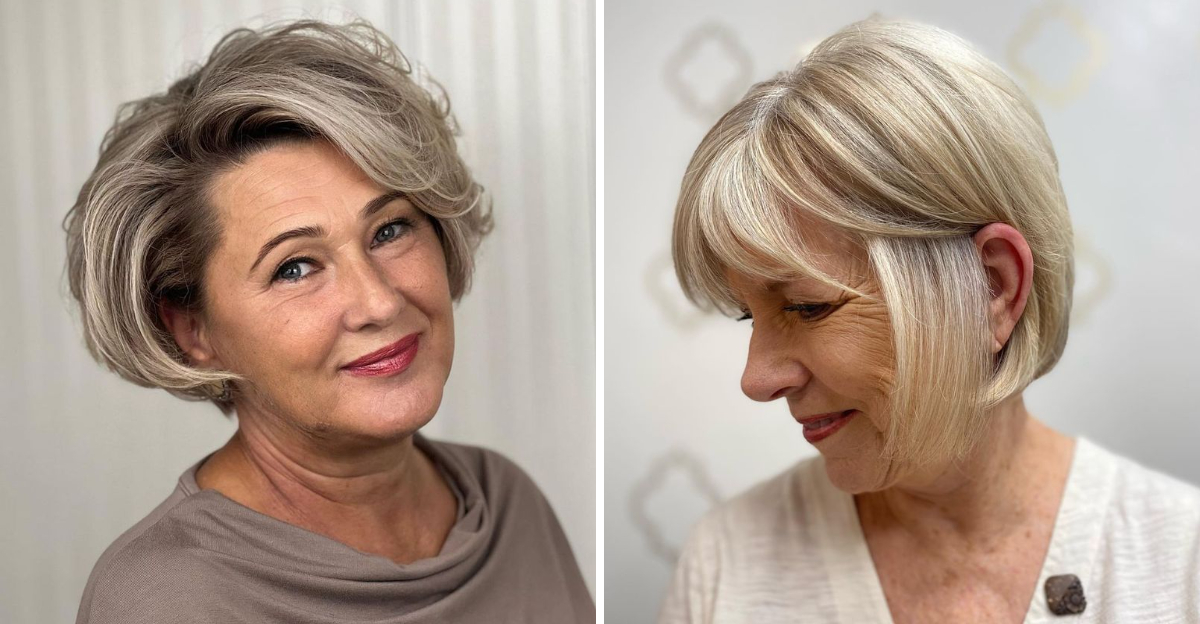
[791,550]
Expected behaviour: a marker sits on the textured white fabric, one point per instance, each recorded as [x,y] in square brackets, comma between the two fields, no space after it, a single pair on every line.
[791,550]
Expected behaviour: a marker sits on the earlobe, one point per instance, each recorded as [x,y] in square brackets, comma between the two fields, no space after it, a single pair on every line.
[189,332]
[1008,264]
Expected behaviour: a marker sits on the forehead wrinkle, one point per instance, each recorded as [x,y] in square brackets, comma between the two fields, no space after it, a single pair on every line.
[306,167]
[288,214]
[281,198]
[268,191]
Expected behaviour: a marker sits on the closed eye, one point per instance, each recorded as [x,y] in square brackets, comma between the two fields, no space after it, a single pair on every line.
[806,311]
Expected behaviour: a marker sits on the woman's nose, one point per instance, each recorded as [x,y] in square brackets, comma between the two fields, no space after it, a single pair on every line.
[371,297]
[772,370]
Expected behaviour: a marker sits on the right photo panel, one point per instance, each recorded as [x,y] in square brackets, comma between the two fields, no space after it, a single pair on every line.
[899,311]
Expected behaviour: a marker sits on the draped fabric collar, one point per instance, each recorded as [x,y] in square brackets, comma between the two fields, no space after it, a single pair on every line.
[315,565]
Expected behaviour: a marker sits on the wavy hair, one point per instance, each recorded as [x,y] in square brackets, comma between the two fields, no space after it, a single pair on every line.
[143,226]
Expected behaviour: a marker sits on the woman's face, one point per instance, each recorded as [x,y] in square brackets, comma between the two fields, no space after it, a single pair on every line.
[357,276]
[826,352]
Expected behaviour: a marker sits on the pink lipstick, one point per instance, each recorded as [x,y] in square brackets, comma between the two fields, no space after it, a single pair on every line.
[390,360]
[821,426]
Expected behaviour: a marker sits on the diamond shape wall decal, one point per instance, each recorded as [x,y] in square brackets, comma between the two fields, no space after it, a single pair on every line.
[1057,92]
[665,292]
[1093,280]
[674,463]
[709,71]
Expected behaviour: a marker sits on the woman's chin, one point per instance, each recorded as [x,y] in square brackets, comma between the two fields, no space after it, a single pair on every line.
[854,458]
[857,475]
[389,416]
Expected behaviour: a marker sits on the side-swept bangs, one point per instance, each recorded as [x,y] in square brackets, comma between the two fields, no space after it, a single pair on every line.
[907,141]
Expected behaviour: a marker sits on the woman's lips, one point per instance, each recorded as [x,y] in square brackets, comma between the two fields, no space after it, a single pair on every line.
[390,360]
[817,429]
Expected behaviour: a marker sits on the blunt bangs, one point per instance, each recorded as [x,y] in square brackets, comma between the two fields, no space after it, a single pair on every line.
[739,214]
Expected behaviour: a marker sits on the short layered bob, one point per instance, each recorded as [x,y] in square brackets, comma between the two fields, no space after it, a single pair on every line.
[143,226]
[908,140]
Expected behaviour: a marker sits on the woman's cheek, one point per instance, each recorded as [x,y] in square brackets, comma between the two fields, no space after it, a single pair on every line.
[294,333]
[869,334]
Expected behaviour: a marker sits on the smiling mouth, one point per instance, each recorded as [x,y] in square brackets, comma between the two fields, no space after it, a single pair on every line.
[818,429]
[390,360]
[818,424]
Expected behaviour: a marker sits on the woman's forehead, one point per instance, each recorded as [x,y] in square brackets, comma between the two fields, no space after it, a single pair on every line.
[293,167]
[290,180]
[746,286]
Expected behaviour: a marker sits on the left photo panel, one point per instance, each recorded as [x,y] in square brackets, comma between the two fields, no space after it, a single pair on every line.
[299,322]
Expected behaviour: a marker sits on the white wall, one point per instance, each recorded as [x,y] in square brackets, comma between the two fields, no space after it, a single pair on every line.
[1117,83]
[83,455]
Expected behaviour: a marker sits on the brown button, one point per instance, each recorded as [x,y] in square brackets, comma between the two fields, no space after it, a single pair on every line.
[1064,595]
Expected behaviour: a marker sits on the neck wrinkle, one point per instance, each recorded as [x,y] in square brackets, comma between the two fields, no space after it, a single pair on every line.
[996,488]
[294,478]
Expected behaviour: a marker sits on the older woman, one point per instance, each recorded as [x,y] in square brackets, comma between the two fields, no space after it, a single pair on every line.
[889,216]
[283,233]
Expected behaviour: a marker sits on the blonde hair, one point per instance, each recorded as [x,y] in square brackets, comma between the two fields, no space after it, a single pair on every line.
[142,228]
[907,139]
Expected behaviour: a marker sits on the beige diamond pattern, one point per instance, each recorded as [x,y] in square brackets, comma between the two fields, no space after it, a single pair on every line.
[642,492]
[1057,94]
[664,290]
[1089,261]
[725,40]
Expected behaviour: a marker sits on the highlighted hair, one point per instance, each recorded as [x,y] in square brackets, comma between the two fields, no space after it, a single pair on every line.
[142,228]
[908,140]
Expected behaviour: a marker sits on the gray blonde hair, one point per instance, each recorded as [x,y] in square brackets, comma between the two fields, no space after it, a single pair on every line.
[142,228]
[907,139]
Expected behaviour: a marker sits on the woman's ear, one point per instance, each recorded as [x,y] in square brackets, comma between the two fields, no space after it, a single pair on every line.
[190,333]
[1008,263]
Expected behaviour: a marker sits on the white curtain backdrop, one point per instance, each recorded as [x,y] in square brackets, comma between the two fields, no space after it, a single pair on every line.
[83,455]
[1117,83]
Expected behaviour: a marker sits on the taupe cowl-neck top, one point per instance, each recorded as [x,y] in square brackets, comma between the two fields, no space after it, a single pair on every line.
[201,557]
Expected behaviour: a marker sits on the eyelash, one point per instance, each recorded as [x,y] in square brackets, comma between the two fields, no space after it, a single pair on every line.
[809,312]
[405,223]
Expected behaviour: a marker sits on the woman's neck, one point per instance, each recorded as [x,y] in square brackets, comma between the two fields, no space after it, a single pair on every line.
[1014,476]
[389,500]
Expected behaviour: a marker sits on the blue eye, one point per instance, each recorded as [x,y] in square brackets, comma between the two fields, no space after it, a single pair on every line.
[391,231]
[293,271]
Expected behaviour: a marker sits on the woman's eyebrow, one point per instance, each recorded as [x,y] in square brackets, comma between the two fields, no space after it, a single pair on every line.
[313,231]
[377,204]
[317,231]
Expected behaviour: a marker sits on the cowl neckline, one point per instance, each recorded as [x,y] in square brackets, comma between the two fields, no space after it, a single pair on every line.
[304,558]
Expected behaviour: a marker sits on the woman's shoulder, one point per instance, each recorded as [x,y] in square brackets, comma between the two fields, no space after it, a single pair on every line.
[774,522]
[756,549]
[525,531]
[1148,515]
[493,470]
[1135,532]
[767,507]
[1138,492]
[480,459]
[509,491]
[147,561]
